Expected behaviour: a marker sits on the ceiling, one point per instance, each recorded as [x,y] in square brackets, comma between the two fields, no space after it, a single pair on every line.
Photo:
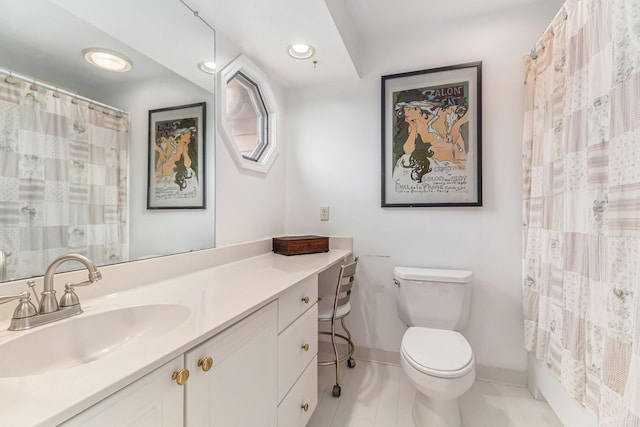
[338,29]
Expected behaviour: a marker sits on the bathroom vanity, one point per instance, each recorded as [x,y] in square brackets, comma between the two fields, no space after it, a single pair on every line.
[237,341]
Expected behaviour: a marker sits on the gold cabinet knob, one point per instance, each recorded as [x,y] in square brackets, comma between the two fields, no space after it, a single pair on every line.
[305,407]
[205,363]
[305,300]
[181,376]
[305,347]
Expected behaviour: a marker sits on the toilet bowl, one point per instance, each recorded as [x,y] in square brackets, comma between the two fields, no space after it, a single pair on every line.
[437,360]
[440,365]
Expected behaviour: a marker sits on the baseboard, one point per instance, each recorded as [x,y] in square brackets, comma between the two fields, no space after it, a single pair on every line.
[377,355]
[506,376]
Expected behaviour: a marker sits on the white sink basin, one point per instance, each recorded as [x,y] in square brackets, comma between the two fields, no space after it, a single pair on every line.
[83,339]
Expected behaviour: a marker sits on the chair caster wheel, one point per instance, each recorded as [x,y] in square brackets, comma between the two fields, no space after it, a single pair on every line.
[351,363]
[336,390]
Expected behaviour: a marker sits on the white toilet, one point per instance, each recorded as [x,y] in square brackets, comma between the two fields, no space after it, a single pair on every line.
[437,360]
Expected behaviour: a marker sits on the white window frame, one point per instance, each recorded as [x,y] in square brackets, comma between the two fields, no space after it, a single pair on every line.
[245,66]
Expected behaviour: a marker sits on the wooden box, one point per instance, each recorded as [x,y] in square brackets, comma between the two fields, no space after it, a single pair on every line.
[300,245]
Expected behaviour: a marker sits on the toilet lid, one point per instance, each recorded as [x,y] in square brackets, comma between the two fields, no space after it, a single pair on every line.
[437,352]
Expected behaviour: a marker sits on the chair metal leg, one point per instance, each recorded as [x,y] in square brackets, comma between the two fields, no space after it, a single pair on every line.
[336,388]
[348,333]
[350,362]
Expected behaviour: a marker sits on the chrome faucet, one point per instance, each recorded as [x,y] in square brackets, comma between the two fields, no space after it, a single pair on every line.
[48,303]
[26,316]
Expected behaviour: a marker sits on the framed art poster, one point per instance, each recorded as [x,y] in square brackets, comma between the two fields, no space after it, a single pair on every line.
[176,178]
[432,138]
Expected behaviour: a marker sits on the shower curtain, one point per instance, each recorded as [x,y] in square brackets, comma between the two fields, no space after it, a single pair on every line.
[63,179]
[581,210]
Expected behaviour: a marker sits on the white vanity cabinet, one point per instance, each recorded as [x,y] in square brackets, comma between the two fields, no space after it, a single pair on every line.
[297,351]
[259,372]
[153,400]
[233,375]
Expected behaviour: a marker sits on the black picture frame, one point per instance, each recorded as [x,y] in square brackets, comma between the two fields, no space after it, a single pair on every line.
[176,176]
[431,127]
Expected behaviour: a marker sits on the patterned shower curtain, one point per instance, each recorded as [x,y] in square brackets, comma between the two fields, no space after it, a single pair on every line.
[581,211]
[63,179]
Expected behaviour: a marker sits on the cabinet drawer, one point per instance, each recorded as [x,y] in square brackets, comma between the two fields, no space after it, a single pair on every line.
[296,301]
[292,356]
[291,411]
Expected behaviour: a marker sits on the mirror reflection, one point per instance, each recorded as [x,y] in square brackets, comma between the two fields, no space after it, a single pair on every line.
[74,134]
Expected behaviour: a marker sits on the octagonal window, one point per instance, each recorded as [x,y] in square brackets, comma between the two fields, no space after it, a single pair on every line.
[247,116]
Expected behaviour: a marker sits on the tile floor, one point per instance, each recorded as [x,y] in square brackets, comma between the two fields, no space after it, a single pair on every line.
[379,395]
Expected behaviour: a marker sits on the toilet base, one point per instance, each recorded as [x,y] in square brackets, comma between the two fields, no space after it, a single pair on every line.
[434,412]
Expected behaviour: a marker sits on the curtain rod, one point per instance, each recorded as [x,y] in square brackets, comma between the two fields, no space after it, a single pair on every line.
[12,74]
[534,55]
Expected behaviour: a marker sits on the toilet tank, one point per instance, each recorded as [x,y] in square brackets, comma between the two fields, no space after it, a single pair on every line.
[433,298]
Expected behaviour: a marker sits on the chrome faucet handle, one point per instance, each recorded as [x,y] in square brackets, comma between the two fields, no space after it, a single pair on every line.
[93,277]
[25,307]
[9,298]
[70,297]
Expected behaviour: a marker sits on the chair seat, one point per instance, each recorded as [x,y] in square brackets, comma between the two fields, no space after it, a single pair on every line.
[325,310]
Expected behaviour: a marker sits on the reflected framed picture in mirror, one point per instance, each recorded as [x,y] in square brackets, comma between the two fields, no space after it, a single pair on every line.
[176,178]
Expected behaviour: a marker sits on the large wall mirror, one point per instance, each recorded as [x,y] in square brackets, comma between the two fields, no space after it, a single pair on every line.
[74,138]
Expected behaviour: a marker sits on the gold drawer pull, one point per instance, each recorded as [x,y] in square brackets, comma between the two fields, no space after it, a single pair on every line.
[305,347]
[305,300]
[305,407]
[205,363]
[180,376]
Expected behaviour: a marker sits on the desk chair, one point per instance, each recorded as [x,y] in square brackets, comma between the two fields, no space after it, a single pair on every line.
[338,309]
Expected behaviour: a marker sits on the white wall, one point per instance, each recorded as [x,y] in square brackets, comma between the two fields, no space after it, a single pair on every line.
[164,231]
[249,205]
[333,159]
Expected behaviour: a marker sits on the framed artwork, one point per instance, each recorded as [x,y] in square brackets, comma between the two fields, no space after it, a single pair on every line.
[176,177]
[432,137]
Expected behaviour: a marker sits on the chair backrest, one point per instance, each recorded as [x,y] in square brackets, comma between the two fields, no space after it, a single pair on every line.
[345,283]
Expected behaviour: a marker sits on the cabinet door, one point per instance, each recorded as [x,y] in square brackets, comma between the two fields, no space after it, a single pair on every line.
[240,388]
[154,400]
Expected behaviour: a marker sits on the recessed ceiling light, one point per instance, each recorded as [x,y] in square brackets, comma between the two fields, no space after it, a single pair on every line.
[106,59]
[207,67]
[301,51]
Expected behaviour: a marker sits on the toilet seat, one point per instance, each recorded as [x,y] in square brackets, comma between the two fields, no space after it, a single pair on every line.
[437,352]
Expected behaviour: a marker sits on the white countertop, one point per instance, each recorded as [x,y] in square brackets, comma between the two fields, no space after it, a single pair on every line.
[216,297]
